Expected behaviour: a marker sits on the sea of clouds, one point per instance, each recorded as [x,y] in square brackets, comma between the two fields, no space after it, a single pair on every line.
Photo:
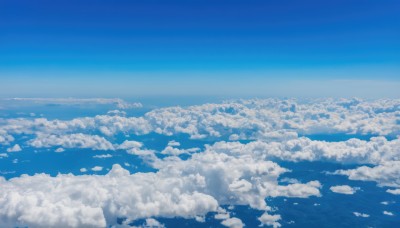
[247,141]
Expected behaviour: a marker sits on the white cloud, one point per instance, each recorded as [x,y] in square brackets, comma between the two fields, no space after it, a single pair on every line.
[59,150]
[83,170]
[97,168]
[15,148]
[375,151]
[79,140]
[270,220]
[388,213]
[152,223]
[103,156]
[394,191]
[5,138]
[135,147]
[169,150]
[267,120]
[358,214]
[386,174]
[343,189]
[180,188]
[233,223]
[173,143]
[3,155]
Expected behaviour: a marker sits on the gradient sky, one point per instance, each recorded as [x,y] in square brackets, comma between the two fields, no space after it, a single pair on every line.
[192,47]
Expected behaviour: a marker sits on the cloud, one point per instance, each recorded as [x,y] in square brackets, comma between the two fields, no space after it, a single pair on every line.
[103,156]
[5,138]
[394,191]
[97,168]
[233,223]
[3,155]
[358,214]
[180,188]
[375,151]
[152,223]
[15,148]
[266,120]
[386,174]
[270,220]
[136,148]
[79,140]
[81,101]
[59,150]
[388,213]
[343,189]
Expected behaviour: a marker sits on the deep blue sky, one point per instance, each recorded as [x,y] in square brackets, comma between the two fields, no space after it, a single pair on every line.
[263,48]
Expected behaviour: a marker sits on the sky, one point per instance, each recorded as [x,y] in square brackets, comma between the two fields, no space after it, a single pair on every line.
[199,48]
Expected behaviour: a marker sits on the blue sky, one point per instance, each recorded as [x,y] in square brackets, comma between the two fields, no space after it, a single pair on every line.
[243,48]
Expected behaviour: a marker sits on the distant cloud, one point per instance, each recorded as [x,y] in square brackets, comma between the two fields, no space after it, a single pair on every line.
[388,213]
[343,189]
[385,174]
[119,103]
[103,156]
[97,168]
[79,140]
[358,214]
[270,220]
[15,148]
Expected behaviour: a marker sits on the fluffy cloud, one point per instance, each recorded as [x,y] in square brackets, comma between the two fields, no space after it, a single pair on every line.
[5,138]
[79,140]
[185,188]
[15,148]
[394,191]
[233,223]
[270,220]
[386,174]
[375,151]
[97,168]
[270,119]
[152,223]
[343,189]
[136,148]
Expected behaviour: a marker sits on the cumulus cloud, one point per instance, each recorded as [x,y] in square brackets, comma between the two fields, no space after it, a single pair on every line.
[375,151]
[5,138]
[358,214]
[269,119]
[394,191]
[152,223]
[388,213]
[15,148]
[180,188]
[97,168]
[225,173]
[233,223]
[3,155]
[343,189]
[79,140]
[136,148]
[386,174]
[270,220]
[59,150]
